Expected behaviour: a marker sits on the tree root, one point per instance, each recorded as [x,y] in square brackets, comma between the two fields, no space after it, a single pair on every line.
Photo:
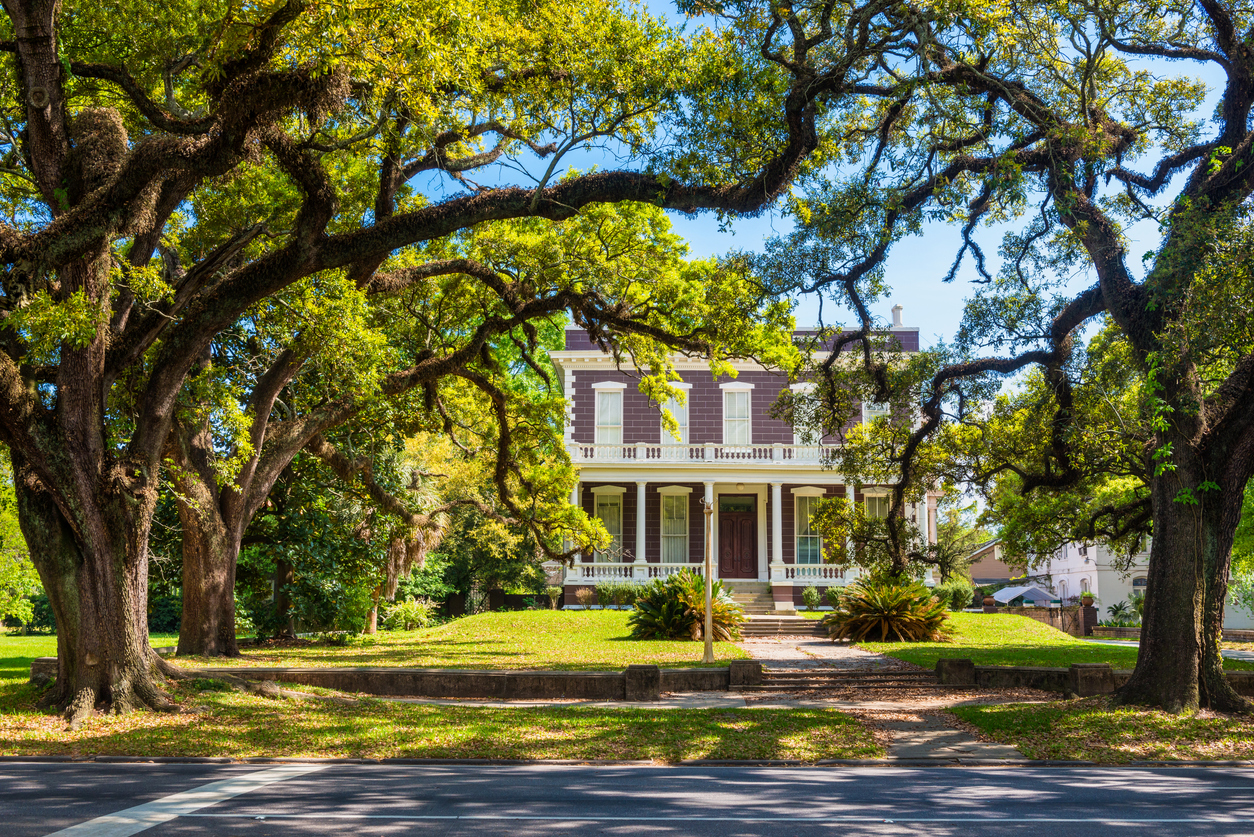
[80,707]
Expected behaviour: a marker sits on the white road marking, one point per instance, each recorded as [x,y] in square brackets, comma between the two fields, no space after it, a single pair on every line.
[143,817]
[834,820]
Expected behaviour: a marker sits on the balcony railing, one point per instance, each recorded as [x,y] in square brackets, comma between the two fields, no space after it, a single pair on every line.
[641,573]
[707,454]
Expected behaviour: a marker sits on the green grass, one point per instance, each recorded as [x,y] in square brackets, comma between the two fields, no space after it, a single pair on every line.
[1093,730]
[229,723]
[1003,639]
[569,640]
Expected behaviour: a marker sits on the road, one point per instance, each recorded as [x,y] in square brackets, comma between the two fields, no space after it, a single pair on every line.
[116,800]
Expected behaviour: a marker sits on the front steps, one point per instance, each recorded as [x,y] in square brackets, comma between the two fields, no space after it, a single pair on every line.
[759,625]
[812,680]
[754,597]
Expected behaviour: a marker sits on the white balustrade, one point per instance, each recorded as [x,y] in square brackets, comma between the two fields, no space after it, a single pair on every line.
[704,453]
[813,572]
[638,573]
[666,570]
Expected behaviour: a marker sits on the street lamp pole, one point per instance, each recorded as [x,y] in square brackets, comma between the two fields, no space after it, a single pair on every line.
[709,573]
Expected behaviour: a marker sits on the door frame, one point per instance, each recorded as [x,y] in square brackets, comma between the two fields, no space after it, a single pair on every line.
[758,490]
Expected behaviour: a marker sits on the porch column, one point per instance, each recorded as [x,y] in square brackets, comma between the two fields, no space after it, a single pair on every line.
[849,541]
[640,531]
[777,523]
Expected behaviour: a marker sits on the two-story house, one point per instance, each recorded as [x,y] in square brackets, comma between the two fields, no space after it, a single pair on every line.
[651,489]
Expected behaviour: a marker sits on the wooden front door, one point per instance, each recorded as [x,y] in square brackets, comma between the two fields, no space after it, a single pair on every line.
[737,537]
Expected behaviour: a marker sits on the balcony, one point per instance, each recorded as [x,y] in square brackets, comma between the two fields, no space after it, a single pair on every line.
[641,453]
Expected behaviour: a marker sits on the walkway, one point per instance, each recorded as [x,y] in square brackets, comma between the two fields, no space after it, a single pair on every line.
[911,723]
[1230,653]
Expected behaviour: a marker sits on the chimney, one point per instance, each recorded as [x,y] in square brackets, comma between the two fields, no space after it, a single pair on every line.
[896,316]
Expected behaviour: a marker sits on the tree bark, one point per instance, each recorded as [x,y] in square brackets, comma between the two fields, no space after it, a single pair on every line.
[1179,666]
[211,545]
[98,589]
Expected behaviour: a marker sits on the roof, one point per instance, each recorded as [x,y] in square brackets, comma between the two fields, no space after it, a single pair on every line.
[1030,593]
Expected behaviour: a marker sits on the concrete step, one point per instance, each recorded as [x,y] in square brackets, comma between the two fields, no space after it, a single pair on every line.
[813,680]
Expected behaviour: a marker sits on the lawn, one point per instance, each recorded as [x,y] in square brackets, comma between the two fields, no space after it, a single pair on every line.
[229,723]
[1093,730]
[1003,639]
[567,640]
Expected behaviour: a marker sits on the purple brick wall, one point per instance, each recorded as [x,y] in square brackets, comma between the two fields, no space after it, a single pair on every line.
[789,511]
[653,518]
[577,339]
[642,419]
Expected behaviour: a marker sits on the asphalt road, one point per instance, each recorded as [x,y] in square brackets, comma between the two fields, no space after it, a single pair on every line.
[100,800]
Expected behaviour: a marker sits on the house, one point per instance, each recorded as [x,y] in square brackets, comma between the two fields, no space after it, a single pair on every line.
[986,564]
[758,478]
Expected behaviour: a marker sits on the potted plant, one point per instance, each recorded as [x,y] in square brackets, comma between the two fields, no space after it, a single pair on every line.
[1087,599]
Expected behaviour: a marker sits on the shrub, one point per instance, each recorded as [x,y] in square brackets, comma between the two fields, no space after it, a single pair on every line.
[674,608]
[900,612]
[605,592]
[585,596]
[554,593]
[811,597]
[165,614]
[408,615]
[955,594]
[627,593]
[834,595]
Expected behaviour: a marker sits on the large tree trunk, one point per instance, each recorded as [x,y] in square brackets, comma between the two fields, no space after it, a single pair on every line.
[1179,666]
[210,555]
[97,584]
[211,544]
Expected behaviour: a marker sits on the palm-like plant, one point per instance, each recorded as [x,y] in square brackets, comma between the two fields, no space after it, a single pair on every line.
[1119,611]
[674,608]
[896,612]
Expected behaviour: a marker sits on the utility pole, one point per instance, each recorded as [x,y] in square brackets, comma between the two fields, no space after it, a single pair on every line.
[709,572]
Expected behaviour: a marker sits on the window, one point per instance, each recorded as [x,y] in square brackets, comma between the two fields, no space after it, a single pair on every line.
[877,507]
[809,544]
[609,416]
[805,413]
[1084,585]
[680,413]
[872,410]
[1140,583]
[737,425]
[674,528]
[609,510]
[1062,590]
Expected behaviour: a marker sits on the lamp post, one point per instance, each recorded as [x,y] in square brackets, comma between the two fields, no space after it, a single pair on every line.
[709,574]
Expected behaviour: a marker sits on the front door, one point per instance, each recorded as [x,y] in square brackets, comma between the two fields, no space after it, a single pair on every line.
[737,537]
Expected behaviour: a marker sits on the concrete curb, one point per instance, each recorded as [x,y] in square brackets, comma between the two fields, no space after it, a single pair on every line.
[938,761]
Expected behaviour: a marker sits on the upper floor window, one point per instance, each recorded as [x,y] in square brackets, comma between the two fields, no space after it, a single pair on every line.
[872,410]
[679,412]
[809,542]
[805,412]
[737,418]
[877,506]
[609,413]
[1140,583]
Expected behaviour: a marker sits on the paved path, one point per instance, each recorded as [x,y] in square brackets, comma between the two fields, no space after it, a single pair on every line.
[1230,653]
[803,652]
[117,800]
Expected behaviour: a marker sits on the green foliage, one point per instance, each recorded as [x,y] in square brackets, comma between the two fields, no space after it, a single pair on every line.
[674,608]
[896,612]
[554,593]
[1120,612]
[811,597]
[408,615]
[955,594]
[165,614]
[605,592]
[18,579]
[834,595]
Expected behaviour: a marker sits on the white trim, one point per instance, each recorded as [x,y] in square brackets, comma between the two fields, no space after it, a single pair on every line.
[674,489]
[875,491]
[609,385]
[735,385]
[747,420]
[804,386]
[608,489]
[809,491]
[679,385]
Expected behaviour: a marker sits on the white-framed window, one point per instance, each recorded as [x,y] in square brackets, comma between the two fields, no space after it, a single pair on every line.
[1062,590]
[679,412]
[609,412]
[805,410]
[1140,583]
[877,506]
[1084,585]
[609,510]
[737,414]
[809,543]
[674,528]
[872,410]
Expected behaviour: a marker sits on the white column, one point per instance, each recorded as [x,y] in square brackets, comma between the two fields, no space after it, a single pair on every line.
[708,498]
[849,541]
[640,536]
[777,523]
